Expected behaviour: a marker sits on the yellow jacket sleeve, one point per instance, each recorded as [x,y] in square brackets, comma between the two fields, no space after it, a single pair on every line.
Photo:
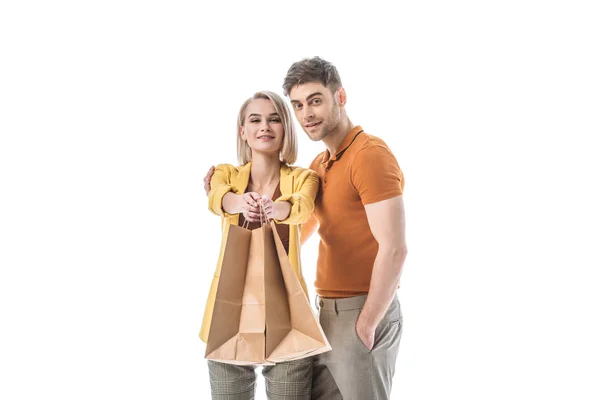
[220,185]
[306,186]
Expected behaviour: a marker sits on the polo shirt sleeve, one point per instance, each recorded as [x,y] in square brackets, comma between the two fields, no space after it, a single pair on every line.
[376,175]
[220,185]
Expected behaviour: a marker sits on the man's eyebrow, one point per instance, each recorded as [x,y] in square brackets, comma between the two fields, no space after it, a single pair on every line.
[308,98]
[313,95]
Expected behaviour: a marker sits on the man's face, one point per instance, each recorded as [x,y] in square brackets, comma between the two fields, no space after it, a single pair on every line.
[316,109]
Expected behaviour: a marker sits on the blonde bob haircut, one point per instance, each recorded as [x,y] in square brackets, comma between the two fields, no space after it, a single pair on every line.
[289,150]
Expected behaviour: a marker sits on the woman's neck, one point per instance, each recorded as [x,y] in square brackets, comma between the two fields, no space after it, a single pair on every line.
[264,172]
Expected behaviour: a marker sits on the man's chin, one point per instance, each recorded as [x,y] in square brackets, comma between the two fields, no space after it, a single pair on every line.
[315,136]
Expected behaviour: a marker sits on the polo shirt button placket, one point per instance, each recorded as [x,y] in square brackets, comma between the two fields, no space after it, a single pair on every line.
[327,168]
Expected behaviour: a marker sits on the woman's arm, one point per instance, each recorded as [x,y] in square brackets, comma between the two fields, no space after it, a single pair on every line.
[220,186]
[302,201]
[224,202]
[245,204]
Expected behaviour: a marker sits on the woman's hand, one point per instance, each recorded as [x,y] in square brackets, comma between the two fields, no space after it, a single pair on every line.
[278,210]
[249,206]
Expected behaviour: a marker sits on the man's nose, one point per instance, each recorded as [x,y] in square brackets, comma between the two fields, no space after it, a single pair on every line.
[307,114]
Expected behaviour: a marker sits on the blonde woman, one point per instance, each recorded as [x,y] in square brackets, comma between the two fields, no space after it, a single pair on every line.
[266,146]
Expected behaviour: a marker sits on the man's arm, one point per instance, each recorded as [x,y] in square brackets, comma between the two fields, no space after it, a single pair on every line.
[308,229]
[386,221]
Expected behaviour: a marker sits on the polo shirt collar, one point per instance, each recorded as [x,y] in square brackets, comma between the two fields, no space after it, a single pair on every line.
[348,140]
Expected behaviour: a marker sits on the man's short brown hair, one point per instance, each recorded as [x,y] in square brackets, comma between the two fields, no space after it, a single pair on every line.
[312,70]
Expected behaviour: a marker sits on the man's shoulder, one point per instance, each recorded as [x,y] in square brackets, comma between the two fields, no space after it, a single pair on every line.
[314,165]
[371,152]
[369,142]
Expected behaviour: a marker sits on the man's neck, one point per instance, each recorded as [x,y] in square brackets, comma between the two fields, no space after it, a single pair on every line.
[334,140]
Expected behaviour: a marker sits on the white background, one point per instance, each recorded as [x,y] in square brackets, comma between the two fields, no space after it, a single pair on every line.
[111,112]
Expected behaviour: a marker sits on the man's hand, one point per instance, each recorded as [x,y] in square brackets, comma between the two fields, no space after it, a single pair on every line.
[365,332]
[207,178]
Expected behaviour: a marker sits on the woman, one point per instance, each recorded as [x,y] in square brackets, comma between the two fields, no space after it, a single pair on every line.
[267,146]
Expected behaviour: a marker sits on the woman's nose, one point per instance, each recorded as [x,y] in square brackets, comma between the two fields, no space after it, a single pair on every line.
[264,126]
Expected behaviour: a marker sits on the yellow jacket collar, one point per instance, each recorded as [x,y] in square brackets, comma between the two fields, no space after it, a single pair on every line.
[286,180]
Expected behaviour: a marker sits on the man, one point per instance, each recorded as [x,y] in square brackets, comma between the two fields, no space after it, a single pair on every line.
[360,215]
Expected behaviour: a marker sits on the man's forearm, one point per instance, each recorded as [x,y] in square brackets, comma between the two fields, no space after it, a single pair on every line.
[308,229]
[384,283]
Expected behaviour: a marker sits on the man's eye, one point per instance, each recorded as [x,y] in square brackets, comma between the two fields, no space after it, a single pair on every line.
[297,106]
[316,101]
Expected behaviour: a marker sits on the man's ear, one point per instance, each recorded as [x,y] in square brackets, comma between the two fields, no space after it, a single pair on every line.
[341,96]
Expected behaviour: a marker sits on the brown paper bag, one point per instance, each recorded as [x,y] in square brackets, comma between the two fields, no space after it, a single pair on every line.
[261,314]
[293,331]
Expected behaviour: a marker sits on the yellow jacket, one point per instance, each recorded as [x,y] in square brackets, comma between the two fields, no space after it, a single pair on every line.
[299,186]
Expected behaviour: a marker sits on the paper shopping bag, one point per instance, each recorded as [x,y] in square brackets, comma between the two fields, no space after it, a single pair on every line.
[261,314]
[237,330]
[292,329]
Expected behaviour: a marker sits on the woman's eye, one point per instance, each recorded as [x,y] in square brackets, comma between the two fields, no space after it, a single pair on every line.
[255,120]
[275,120]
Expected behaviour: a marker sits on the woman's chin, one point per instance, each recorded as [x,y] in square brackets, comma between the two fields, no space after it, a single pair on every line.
[269,151]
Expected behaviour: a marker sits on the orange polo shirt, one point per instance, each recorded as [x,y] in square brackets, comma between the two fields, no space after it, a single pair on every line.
[363,171]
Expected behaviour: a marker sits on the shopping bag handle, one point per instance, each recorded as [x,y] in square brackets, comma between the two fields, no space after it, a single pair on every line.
[263,214]
[263,219]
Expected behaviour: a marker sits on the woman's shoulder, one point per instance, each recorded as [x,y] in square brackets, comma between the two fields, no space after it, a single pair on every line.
[229,168]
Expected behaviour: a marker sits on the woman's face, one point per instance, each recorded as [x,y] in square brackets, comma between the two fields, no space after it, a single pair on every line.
[262,128]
